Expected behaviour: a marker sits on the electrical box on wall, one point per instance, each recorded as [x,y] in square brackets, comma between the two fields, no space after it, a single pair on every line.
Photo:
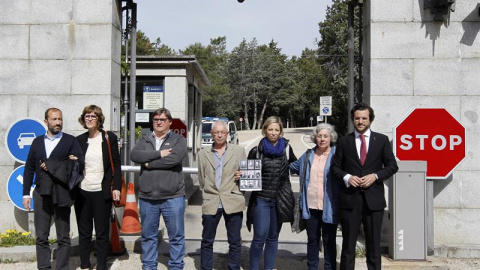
[439,8]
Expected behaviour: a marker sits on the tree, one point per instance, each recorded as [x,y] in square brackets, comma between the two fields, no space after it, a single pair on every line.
[333,58]
[217,98]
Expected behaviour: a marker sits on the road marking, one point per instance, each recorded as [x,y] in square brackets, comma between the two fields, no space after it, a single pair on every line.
[248,143]
[306,144]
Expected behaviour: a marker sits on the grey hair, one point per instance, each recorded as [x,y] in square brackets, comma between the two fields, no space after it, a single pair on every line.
[329,128]
[219,123]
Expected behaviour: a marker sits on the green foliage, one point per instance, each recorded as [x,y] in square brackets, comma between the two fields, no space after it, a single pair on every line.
[255,81]
[13,237]
[333,58]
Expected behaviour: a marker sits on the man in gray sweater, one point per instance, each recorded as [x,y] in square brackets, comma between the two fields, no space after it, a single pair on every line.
[161,189]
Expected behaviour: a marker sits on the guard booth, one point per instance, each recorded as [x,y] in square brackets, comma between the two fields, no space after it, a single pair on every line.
[176,83]
[407,219]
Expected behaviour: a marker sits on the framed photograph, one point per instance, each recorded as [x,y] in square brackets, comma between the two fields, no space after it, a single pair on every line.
[251,179]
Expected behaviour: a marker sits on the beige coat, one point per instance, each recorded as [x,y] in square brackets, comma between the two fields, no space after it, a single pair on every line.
[229,194]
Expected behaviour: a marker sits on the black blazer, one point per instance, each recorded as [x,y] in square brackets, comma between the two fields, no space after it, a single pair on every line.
[107,167]
[380,160]
[68,145]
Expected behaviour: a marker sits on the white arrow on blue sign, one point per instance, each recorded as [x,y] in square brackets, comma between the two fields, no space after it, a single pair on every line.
[15,188]
[20,135]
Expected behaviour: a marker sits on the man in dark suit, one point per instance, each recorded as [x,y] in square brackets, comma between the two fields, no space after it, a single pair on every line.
[363,160]
[51,197]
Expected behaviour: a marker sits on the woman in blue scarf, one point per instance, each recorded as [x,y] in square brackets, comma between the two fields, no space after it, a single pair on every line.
[273,205]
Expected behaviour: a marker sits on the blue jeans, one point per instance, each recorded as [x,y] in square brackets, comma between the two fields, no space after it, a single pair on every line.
[316,227]
[173,211]
[265,234]
[233,223]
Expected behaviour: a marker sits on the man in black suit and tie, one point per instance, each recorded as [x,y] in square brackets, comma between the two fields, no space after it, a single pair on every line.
[363,160]
[51,198]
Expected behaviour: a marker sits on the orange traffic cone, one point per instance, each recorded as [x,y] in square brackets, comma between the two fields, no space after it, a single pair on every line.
[117,248]
[130,221]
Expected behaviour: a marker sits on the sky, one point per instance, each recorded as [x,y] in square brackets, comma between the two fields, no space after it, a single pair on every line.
[293,24]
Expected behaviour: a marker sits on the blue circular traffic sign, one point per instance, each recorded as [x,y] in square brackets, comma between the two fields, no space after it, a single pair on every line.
[325,110]
[20,135]
[15,188]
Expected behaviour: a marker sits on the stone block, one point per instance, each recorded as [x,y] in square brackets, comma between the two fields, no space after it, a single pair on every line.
[15,12]
[92,77]
[470,163]
[470,79]
[448,193]
[389,111]
[13,76]
[36,12]
[116,52]
[47,77]
[177,97]
[7,210]
[399,11]
[71,106]
[469,115]
[470,189]
[414,40]
[50,11]
[5,171]
[469,43]
[35,77]
[14,43]
[13,108]
[93,41]
[456,226]
[50,41]
[438,77]
[391,77]
[451,103]
[93,12]
[116,84]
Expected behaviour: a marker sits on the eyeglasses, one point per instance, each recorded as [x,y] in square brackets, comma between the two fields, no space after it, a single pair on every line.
[163,120]
[223,132]
[90,116]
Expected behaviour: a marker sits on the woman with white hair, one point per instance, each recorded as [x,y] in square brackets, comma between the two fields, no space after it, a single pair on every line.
[318,196]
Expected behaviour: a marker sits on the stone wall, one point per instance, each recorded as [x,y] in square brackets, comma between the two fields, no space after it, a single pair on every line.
[55,53]
[412,61]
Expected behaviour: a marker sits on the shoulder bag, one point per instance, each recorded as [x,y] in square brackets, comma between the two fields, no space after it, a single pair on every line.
[123,191]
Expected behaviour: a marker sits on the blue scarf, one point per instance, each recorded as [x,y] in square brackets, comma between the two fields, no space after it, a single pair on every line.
[271,150]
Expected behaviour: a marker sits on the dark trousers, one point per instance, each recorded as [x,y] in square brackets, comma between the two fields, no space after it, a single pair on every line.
[91,208]
[44,210]
[316,227]
[372,225]
[233,223]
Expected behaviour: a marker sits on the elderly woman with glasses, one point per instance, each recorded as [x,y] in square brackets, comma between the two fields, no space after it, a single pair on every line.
[319,196]
[94,196]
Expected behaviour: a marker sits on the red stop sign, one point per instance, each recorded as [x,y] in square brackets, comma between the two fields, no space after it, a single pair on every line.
[179,127]
[433,135]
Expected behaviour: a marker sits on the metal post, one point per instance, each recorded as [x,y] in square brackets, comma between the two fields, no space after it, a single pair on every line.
[351,86]
[126,99]
[133,80]
[429,219]
[31,224]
